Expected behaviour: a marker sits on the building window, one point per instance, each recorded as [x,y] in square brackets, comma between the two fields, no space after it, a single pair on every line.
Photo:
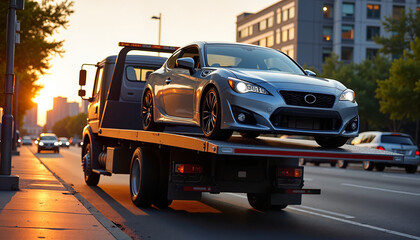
[347,53]
[291,12]
[284,36]
[266,23]
[278,16]
[348,9]
[373,11]
[371,32]
[291,33]
[270,41]
[371,53]
[289,51]
[326,53]
[397,12]
[270,22]
[278,38]
[327,10]
[327,33]
[347,32]
[285,15]
[245,32]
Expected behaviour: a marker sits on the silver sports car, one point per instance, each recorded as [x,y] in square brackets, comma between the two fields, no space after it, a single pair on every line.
[226,87]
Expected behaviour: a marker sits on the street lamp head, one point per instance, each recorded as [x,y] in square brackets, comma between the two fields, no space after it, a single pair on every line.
[155,17]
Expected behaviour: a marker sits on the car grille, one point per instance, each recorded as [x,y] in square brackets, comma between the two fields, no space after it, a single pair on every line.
[306,120]
[298,99]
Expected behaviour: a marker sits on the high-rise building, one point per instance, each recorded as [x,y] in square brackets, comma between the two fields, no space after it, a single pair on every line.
[61,109]
[73,108]
[310,30]
[30,122]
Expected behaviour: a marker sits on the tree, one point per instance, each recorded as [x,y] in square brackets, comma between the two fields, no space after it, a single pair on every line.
[70,126]
[399,95]
[39,22]
[403,31]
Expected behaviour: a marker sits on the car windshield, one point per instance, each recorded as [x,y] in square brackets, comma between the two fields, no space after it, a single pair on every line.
[397,139]
[48,138]
[251,57]
[63,139]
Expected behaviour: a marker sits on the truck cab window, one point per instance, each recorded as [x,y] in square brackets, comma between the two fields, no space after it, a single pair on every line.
[137,74]
[98,80]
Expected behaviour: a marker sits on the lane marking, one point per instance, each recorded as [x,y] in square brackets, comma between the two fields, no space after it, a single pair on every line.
[400,234]
[327,212]
[381,189]
[399,177]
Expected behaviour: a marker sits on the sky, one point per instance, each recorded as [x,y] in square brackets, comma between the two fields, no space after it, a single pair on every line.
[97,26]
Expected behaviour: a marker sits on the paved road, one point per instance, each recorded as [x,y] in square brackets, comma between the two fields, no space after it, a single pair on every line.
[354,204]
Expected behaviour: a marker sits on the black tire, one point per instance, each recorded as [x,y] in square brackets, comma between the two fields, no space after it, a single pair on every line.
[147,114]
[331,142]
[342,163]
[368,165]
[143,177]
[380,167]
[411,168]
[278,207]
[211,116]
[58,151]
[332,164]
[316,164]
[259,201]
[91,178]
[250,135]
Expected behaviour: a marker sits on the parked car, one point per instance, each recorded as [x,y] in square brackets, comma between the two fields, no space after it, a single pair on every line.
[26,140]
[48,141]
[394,142]
[226,87]
[63,142]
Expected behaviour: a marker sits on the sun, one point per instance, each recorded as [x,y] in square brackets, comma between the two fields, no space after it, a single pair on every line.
[45,103]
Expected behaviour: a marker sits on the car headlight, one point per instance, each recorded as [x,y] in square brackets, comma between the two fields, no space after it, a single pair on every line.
[41,144]
[240,86]
[348,95]
[55,143]
[67,143]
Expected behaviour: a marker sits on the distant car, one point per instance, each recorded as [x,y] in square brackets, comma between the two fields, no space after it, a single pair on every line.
[76,141]
[394,142]
[63,142]
[226,87]
[48,141]
[26,140]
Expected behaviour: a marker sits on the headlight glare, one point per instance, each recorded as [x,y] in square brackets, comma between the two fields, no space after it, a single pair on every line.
[41,144]
[348,95]
[55,143]
[240,86]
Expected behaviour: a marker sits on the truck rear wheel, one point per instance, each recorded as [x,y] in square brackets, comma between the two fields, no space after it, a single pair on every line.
[143,177]
[259,201]
[91,178]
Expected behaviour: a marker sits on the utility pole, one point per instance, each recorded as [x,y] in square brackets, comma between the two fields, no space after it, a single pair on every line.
[7,181]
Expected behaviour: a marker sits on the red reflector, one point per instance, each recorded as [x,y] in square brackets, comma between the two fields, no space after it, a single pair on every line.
[290,172]
[197,189]
[188,168]
[380,148]
[417,153]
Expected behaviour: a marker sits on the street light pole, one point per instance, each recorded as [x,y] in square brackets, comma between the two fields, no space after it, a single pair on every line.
[160,27]
[8,182]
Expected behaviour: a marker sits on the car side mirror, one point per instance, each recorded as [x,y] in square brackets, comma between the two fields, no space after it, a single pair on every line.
[186,63]
[310,73]
[82,77]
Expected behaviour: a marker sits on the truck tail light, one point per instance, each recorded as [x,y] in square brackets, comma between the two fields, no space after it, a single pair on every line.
[417,153]
[188,168]
[380,148]
[290,172]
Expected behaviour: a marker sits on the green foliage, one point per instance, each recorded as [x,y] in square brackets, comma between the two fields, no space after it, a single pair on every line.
[39,22]
[399,95]
[404,30]
[70,126]
[362,78]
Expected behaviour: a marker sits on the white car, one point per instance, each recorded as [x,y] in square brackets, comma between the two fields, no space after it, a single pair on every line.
[394,142]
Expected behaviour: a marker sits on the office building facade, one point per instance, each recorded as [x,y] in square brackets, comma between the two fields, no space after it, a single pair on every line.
[310,30]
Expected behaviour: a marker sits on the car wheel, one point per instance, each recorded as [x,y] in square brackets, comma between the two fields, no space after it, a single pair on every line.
[332,164]
[91,178]
[250,135]
[368,165]
[341,163]
[259,201]
[379,167]
[39,150]
[411,168]
[148,115]
[331,142]
[211,117]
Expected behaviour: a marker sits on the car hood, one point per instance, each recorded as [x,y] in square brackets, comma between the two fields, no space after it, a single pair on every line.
[286,80]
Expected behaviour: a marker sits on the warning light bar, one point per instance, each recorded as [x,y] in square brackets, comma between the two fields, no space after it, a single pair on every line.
[149,47]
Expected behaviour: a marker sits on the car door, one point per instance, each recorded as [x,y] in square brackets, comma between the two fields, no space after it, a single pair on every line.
[180,87]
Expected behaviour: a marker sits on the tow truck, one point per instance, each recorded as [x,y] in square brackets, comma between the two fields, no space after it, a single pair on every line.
[180,164]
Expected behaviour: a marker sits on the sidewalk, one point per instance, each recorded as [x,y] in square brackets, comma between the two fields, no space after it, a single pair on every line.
[43,208]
